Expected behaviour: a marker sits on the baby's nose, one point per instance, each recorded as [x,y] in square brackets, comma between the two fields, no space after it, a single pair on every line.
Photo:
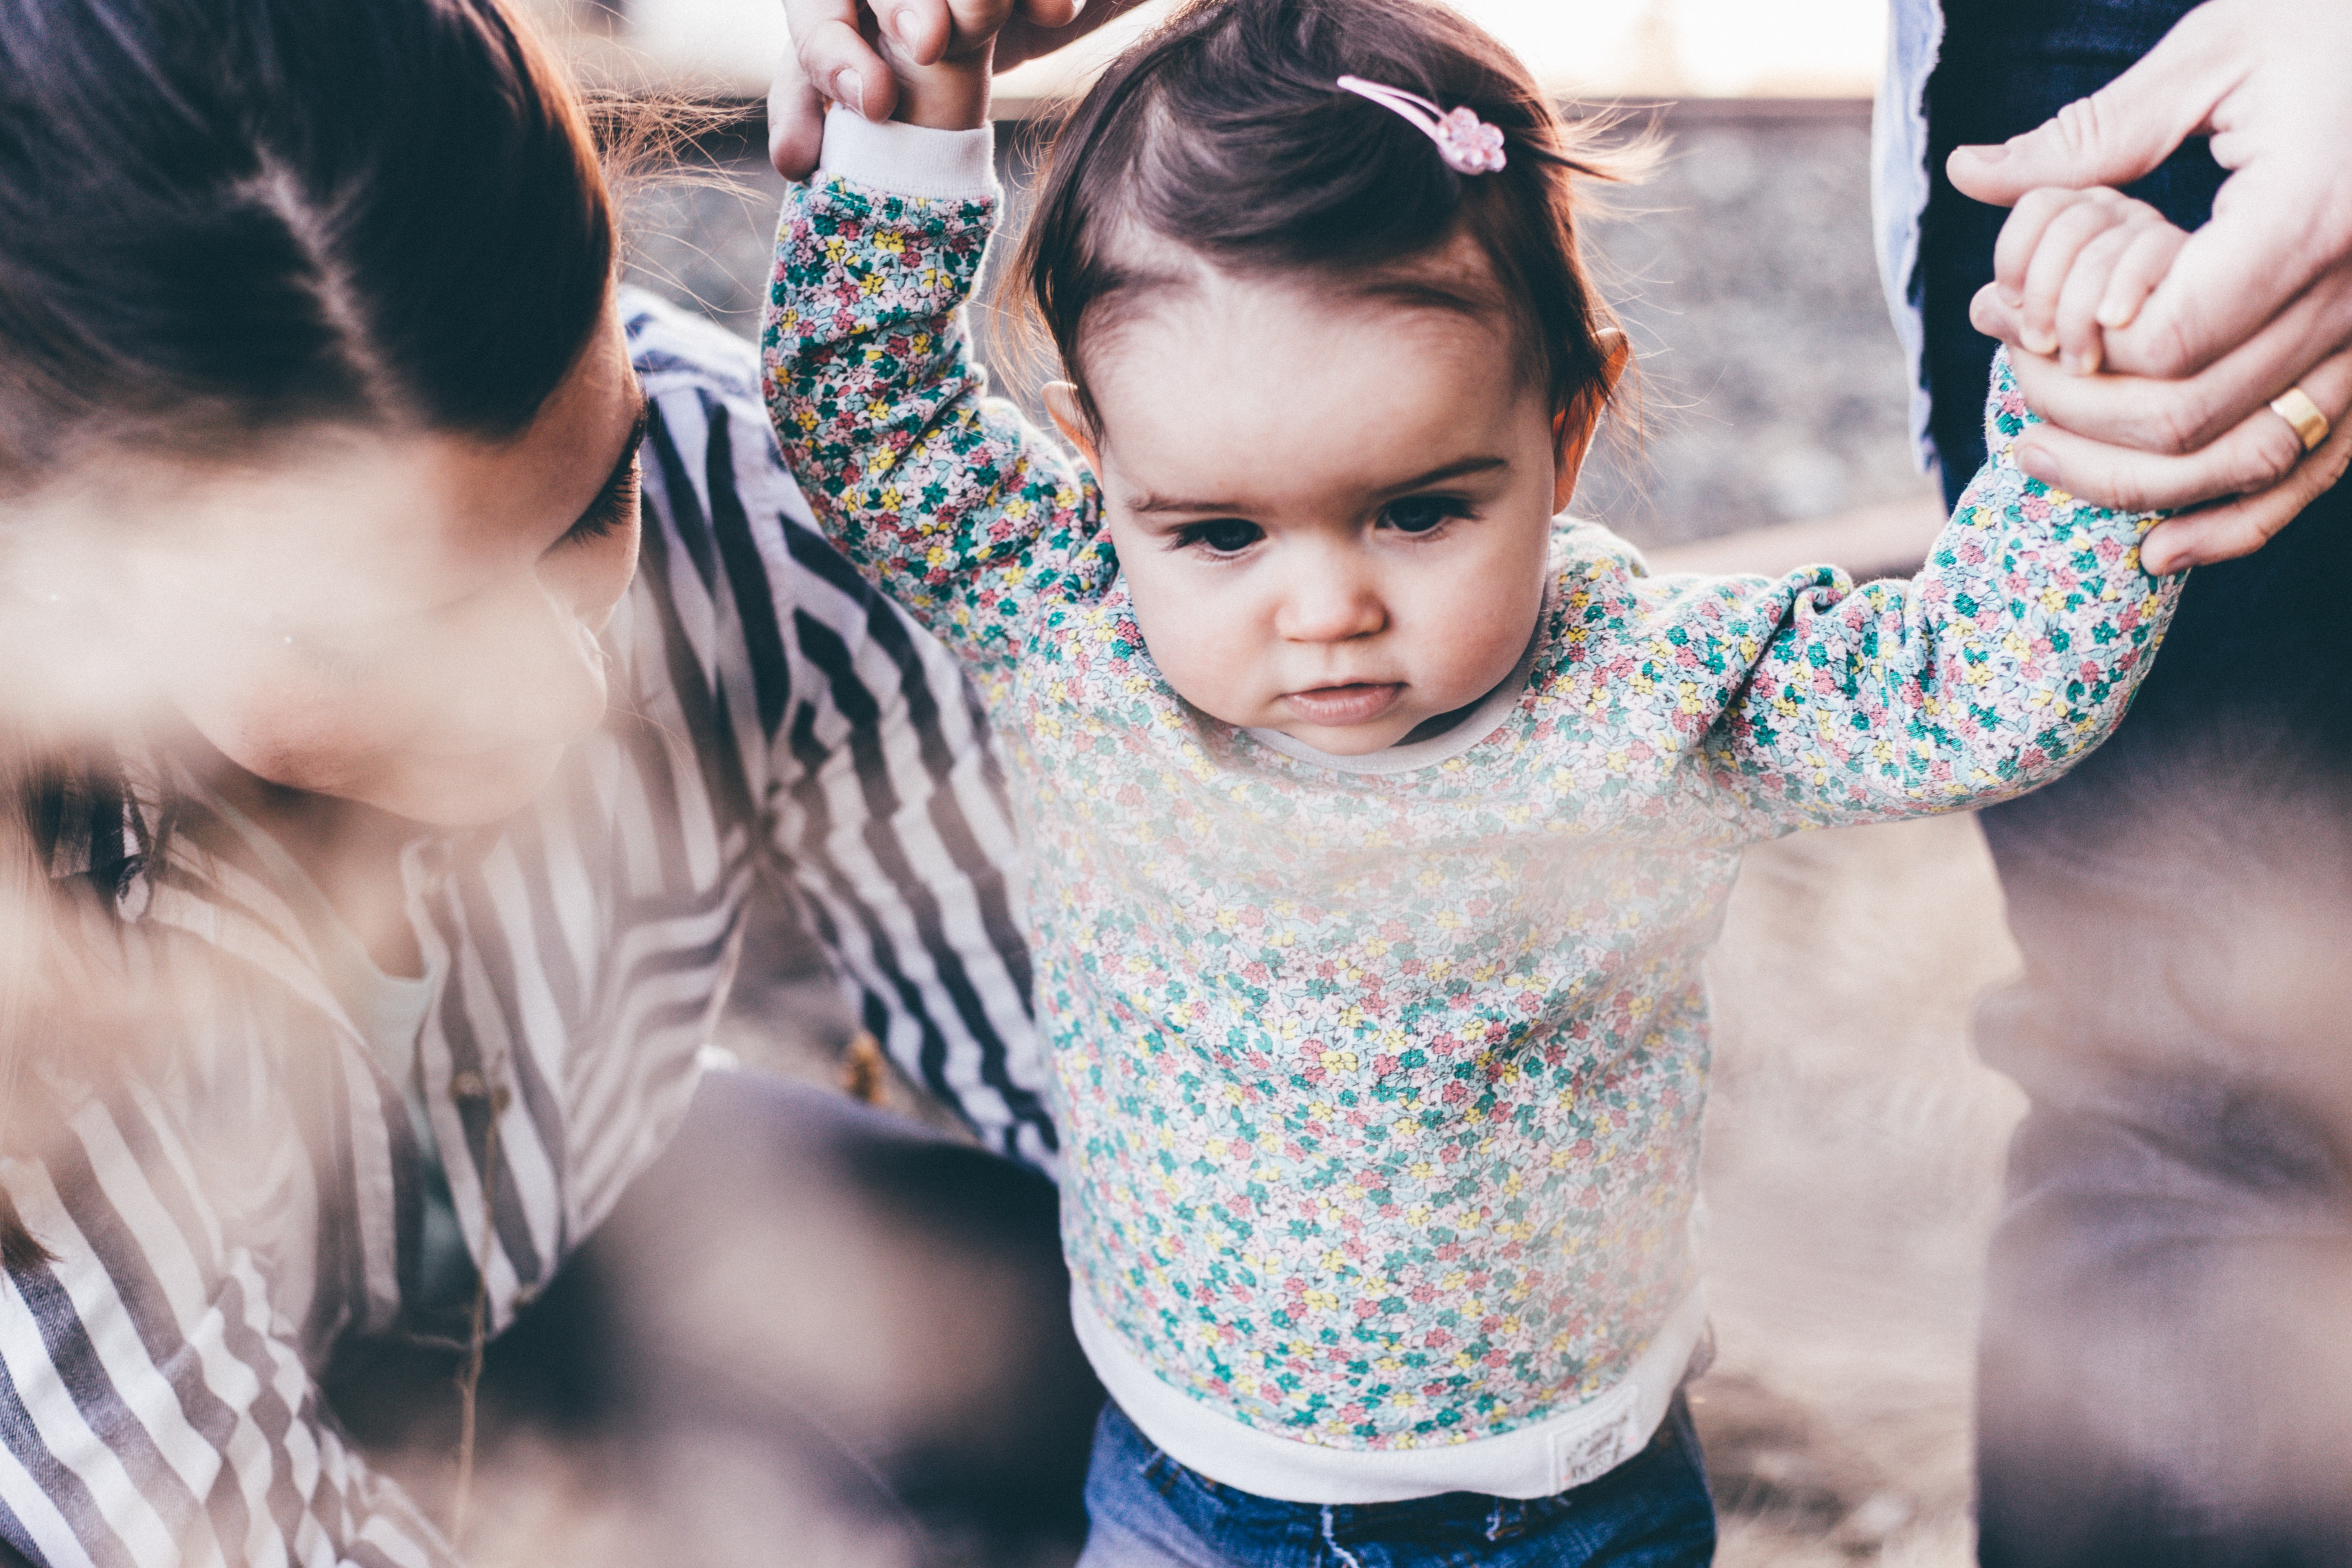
[1330,607]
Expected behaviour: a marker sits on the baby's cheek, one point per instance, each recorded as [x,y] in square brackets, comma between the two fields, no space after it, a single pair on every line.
[1208,658]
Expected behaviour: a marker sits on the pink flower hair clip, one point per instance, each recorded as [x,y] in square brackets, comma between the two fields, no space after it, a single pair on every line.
[1467,143]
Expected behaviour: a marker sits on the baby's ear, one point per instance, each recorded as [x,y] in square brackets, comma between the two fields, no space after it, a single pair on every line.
[1572,426]
[1070,419]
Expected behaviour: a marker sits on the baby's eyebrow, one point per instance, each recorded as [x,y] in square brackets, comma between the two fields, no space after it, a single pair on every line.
[1460,469]
[1145,502]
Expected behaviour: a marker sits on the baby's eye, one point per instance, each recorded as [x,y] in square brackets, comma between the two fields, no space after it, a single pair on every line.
[1419,514]
[1224,535]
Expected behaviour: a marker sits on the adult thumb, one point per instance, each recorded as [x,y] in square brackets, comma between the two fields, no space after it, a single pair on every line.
[2119,133]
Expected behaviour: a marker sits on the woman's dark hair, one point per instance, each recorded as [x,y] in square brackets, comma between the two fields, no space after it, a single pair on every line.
[1224,133]
[224,218]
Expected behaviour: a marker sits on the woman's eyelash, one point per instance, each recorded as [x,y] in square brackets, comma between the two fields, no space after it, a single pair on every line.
[611,509]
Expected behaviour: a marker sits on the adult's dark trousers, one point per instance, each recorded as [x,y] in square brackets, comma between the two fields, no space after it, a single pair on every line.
[811,1334]
[2166,1370]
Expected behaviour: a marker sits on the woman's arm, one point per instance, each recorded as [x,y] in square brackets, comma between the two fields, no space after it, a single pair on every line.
[2014,651]
[950,500]
[156,1407]
[857,745]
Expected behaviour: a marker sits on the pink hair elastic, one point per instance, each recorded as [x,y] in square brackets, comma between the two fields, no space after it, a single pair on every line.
[1467,143]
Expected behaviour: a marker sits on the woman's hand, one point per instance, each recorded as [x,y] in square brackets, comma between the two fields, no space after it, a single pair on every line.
[2258,300]
[843,53]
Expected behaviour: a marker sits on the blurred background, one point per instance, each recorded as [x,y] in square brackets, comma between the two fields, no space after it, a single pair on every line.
[1853,1139]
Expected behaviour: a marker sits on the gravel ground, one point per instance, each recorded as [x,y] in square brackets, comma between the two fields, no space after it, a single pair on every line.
[1853,1141]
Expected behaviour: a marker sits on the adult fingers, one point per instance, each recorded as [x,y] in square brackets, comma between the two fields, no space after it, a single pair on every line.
[1026,37]
[2283,218]
[2120,132]
[916,30]
[795,120]
[836,59]
[2174,416]
[2255,458]
[2243,526]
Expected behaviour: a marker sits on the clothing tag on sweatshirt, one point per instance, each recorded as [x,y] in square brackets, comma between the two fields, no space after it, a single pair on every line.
[1587,1452]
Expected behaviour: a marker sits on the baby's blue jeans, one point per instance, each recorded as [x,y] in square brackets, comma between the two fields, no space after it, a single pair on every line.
[1146,1510]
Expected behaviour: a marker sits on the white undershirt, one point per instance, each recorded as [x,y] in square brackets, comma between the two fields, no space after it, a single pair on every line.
[1578,1444]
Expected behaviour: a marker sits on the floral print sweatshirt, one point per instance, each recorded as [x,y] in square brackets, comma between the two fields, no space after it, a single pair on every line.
[1379,1080]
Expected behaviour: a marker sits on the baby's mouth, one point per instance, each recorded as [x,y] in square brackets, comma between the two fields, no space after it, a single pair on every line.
[1357,703]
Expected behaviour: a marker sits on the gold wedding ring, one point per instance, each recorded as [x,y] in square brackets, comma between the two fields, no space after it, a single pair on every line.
[2294,405]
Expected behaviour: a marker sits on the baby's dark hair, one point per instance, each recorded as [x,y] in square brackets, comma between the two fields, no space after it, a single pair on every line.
[1224,133]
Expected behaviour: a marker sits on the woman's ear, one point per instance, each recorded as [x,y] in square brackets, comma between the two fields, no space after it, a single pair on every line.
[1572,426]
[1070,419]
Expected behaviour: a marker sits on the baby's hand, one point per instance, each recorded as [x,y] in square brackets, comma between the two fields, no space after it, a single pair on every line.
[2071,264]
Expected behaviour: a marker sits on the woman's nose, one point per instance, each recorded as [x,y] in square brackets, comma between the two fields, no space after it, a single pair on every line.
[1331,603]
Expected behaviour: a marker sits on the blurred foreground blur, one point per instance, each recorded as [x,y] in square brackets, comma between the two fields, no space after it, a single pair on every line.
[1854,1150]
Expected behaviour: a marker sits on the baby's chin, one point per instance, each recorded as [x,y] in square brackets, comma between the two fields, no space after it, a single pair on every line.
[1344,740]
[1354,741]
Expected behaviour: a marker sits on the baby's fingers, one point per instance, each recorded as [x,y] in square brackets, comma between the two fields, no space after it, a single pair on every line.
[2062,241]
[2080,342]
[2020,234]
[2141,268]
[2112,277]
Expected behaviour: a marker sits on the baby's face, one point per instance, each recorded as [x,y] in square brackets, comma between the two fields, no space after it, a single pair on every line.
[1332,512]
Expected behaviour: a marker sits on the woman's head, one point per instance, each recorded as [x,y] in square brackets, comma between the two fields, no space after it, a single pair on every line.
[312,399]
[1334,388]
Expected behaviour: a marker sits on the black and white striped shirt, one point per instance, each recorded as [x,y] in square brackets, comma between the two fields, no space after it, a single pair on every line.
[245,1193]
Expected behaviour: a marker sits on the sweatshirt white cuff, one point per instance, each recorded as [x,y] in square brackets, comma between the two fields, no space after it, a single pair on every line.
[908,160]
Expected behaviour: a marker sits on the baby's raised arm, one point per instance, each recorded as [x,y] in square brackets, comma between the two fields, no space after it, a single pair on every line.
[949,498]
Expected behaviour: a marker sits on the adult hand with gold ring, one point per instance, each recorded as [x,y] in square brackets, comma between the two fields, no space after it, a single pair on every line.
[2260,465]
[2241,526]
[2258,300]
[2303,416]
